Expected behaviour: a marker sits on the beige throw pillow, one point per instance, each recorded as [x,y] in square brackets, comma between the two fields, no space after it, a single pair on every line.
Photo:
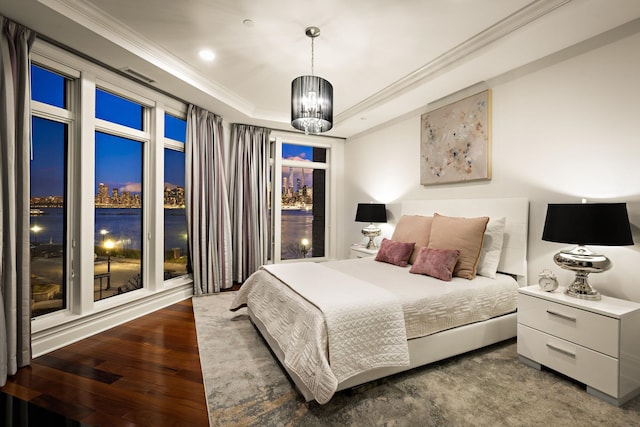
[464,234]
[413,229]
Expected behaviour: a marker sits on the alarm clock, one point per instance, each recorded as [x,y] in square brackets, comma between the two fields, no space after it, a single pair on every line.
[547,281]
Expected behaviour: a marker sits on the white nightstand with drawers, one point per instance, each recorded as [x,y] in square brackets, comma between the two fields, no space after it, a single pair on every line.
[595,342]
[361,251]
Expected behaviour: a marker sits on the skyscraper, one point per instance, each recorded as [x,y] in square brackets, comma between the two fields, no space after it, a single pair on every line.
[102,198]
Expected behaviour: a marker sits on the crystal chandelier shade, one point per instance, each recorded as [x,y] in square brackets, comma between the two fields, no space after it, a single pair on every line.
[311,98]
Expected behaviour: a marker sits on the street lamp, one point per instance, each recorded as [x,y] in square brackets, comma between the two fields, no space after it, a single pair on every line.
[108,245]
[35,229]
[304,247]
[104,233]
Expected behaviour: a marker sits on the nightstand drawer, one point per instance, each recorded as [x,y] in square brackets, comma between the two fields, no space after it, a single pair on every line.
[358,251]
[597,370]
[588,329]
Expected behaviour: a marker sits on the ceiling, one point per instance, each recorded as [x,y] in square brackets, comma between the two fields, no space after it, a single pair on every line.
[384,58]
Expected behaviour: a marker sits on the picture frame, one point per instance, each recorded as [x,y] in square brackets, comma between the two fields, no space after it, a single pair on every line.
[455,141]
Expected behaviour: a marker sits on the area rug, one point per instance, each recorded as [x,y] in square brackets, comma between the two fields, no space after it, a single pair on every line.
[246,386]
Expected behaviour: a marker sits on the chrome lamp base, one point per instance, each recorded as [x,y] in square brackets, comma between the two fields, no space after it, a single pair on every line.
[580,287]
[371,231]
[582,261]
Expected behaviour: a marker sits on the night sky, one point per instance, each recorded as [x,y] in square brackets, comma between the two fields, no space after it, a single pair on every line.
[297,152]
[119,160]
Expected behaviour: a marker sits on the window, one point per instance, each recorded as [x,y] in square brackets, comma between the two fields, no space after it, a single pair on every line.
[175,219]
[118,231]
[48,186]
[302,222]
[116,109]
[118,216]
[48,216]
[48,87]
[98,243]
[175,128]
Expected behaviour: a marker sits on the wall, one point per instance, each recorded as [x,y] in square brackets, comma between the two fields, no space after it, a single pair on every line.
[564,128]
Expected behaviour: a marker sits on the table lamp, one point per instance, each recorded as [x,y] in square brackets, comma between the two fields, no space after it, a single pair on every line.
[600,224]
[371,212]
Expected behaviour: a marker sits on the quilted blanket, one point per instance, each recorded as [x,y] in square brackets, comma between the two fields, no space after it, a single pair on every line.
[354,326]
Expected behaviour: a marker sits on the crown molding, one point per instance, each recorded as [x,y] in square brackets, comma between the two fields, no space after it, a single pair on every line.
[111,29]
[455,56]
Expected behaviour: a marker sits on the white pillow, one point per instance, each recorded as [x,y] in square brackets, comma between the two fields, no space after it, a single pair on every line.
[491,248]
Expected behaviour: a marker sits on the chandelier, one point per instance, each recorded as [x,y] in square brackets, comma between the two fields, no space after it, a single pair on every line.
[311,98]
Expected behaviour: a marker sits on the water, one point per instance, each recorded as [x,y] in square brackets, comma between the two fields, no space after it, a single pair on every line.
[124,226]
[295,226]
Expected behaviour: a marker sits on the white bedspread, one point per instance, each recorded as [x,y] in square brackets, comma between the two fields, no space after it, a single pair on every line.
[365,332]
[299,328]
[431,305]
[365,323]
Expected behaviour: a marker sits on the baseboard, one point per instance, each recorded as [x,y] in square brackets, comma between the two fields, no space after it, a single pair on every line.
[47,340]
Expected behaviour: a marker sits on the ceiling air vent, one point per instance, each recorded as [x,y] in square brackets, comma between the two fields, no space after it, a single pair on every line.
[137,75]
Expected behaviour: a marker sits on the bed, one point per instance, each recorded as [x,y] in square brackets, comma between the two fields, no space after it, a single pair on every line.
[339,324]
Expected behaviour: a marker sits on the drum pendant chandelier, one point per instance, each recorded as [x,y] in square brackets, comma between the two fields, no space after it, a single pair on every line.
[311,98]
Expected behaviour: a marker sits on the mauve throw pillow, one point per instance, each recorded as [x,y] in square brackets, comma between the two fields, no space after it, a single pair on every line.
[438,263]
[396,253]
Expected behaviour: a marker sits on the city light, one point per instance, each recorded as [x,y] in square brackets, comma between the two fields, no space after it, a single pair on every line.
[300,195]
[304,248]
[109,244]
[36,229]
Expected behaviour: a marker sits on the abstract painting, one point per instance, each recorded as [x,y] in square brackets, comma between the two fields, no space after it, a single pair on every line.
[455,141]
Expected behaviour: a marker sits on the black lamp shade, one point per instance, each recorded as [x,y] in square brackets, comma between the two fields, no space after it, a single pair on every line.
[600,224]
[311,104]
[371,212]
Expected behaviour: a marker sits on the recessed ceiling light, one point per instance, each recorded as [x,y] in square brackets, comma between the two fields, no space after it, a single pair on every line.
[207,55]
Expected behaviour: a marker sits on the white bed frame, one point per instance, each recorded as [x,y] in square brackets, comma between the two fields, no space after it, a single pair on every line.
[459,340]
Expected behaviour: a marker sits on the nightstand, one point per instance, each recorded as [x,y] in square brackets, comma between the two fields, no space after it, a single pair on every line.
[594,342]
[361,251]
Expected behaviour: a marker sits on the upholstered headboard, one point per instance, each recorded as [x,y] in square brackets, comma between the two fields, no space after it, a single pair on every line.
[513,259]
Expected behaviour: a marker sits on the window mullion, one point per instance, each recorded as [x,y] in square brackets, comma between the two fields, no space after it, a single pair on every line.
[50,112]
[303,164]
[84,250]
[154,206]
[120,130]
[277,202]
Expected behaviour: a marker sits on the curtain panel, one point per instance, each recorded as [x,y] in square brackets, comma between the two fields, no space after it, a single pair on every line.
[208,220]
[249,199]
[15,148]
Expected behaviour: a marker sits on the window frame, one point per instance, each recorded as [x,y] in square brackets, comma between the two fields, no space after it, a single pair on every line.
[172,144]
[66,116]
[334,147]
[83,316]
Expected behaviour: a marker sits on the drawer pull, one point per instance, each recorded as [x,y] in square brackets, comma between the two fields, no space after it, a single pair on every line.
[563,316]
[561,350]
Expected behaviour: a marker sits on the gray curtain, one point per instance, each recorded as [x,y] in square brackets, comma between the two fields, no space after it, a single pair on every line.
[249,199]
[15,148]
[208,221]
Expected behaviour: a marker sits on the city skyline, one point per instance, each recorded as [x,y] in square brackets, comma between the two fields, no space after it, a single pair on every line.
[301,193]
[107,197]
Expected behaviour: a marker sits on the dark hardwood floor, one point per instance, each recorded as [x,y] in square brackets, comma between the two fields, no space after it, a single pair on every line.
[143,373]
